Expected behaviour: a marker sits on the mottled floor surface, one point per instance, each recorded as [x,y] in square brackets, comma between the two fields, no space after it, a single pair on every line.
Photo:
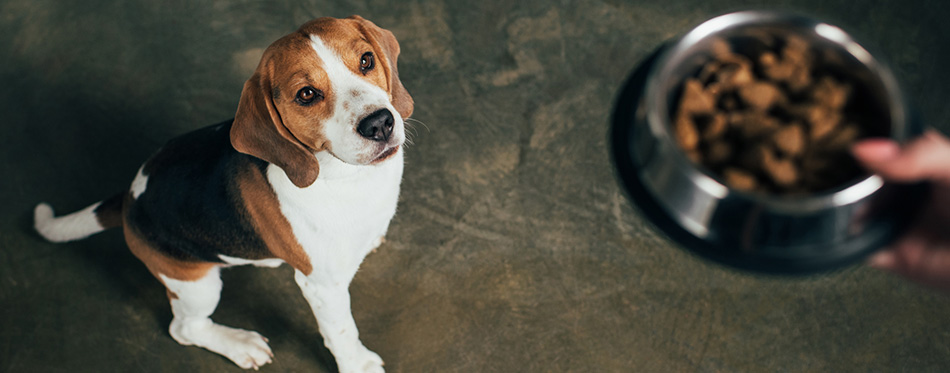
[514,249]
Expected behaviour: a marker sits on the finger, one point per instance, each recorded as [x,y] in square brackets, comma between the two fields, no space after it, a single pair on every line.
[923,261]
[927,157]
[884,260]
[892,258]
[876,151]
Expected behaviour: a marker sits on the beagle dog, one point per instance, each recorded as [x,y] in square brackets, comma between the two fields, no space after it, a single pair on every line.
[307,173]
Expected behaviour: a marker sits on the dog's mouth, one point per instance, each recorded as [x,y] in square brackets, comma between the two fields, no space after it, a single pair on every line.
[388,153]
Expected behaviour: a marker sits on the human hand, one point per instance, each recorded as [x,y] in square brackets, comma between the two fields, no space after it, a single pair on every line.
[923,254]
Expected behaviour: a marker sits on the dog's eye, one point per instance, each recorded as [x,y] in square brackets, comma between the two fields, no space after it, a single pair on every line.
[367,62]
[308,95]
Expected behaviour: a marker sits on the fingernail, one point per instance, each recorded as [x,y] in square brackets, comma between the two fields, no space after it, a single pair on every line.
[882,260]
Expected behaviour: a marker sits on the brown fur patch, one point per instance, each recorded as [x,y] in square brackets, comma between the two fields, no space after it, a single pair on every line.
[264,213]
[270,124]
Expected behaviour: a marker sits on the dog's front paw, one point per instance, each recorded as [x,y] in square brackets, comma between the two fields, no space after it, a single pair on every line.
[247,349]
[364,361]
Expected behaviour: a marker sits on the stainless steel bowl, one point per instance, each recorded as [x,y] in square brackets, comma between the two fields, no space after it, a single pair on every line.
[759,232]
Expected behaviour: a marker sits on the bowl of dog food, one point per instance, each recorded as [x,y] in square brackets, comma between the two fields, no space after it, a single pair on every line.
[734,141]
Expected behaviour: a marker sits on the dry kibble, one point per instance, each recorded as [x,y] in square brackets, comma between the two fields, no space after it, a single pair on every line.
[720,49]
[800,79]
[796,51]
[716,127]
[759,95]
[790,140]
[775,70]
[753,124]
[695,100]
[782,171]
[823,121]
[687,136]
[708,72]
[734,75]
[739,179]
[828,92]
[765,120]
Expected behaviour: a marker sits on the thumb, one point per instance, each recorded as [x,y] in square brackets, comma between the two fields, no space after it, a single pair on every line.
[916,258]
[925,158]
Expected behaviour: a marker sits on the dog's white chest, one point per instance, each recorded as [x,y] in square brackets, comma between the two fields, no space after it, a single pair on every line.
[340,217]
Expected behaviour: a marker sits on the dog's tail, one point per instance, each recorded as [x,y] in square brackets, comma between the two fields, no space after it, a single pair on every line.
[80,224]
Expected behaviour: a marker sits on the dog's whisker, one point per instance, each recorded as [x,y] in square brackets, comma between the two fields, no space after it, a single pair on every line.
[414,120]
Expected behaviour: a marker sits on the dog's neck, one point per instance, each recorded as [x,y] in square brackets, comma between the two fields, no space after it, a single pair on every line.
[332,168]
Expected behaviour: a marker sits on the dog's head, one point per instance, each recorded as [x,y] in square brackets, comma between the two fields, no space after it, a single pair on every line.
[330,86]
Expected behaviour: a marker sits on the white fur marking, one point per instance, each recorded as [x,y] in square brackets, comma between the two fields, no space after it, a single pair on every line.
[362,98]
[192,305]
[139,183]
[75,226]
[269,263]
[338,220]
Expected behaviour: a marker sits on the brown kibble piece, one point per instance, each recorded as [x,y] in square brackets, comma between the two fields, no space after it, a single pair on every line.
[735,75]
[708,73]
[739,179]
[790,140]
[823,120]
[695,100]
[781,171]
[796,51]
[760,95]
[752,124]
[716,128]
[774,69]
[687,136]
[721,49]
[799,80]
[828,92]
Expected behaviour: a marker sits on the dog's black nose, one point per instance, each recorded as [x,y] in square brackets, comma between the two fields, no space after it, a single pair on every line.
[377,126]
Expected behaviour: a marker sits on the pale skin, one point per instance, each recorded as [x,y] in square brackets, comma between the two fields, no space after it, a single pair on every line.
[923,254]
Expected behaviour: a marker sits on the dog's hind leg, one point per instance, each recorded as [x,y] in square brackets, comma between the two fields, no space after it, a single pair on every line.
[194,288]
[192,304]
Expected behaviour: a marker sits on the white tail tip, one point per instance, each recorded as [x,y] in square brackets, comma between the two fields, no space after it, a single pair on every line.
[78,225]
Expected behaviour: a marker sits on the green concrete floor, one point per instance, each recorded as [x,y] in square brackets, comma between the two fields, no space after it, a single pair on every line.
[514,249]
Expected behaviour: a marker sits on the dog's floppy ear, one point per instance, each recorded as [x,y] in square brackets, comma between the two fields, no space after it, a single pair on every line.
[259,131]
[401,99]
